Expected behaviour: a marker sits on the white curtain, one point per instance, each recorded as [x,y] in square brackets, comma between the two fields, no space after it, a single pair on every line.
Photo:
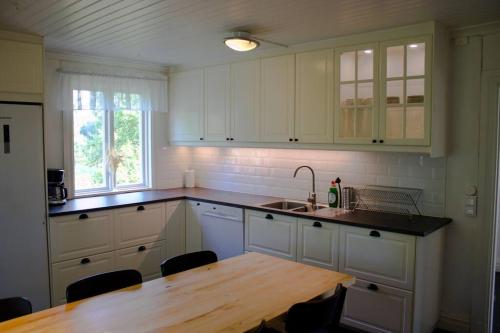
[138,94]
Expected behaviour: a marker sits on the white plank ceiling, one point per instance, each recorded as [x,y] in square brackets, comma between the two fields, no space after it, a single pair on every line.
[189,33]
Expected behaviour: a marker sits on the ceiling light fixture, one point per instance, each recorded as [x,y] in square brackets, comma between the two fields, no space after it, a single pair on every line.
[413,46]
[243,41]
[368,51]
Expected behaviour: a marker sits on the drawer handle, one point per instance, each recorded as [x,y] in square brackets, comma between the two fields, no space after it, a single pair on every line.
[372,287]
[269,217]
[141,248]
[197,204]
[317,224]
[83,217]
[374,233]
[141,208]
[84,261]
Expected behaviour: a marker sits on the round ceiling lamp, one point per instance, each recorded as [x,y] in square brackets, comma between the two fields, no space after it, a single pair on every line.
[241,41]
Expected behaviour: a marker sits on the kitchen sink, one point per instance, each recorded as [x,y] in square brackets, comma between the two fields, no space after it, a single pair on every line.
[293,206]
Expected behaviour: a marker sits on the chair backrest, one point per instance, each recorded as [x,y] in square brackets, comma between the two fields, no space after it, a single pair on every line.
[14,307]
[315,315]
[187,261]
[102,283]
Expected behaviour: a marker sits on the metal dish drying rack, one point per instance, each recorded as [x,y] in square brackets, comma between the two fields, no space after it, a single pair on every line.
[400,200]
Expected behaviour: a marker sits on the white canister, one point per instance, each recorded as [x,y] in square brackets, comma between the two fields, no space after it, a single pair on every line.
[189,178]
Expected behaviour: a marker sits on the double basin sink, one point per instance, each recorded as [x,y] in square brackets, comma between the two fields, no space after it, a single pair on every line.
[293,206]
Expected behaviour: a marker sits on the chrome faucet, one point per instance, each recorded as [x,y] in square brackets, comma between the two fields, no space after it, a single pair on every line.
[312,195]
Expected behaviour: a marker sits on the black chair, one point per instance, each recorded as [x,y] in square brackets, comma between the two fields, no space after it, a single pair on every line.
[187,261]
[14,307]
[315,316]
[102,283]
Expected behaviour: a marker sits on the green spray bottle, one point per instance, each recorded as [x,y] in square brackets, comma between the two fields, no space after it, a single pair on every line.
[334,200]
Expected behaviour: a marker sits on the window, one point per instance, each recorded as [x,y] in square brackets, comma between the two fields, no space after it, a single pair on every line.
[110,144]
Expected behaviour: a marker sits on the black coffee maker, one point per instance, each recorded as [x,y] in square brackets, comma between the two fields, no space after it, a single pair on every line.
[55,183]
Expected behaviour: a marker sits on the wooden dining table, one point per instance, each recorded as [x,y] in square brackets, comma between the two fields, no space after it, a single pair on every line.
[232,295]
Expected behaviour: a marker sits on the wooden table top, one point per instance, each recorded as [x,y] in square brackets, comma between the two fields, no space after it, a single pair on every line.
[232,295]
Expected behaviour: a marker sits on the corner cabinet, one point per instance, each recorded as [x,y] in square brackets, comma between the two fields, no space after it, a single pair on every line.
[21,67]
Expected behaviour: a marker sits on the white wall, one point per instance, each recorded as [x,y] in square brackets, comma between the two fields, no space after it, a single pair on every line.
[168,163]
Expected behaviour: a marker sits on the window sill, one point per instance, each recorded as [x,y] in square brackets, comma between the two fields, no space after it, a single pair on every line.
[118,191]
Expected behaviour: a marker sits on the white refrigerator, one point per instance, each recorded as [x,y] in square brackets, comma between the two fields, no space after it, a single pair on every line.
[24,269]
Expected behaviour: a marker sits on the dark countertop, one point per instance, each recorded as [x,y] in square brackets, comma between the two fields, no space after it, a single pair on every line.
[417,225]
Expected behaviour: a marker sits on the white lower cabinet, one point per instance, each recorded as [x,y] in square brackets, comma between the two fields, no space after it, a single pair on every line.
[175,234]
[69,271]
[194,210]
[78,235]
[377,308]
[318,243]
[139,224]
[144,258]
[378,256]
[272,234]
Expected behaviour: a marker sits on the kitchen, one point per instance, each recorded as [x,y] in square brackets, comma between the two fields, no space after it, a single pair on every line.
[385,107]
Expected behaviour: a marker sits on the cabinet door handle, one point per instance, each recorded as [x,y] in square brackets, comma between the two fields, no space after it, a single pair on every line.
[83,217]
[296,140]
[231,139]
[374,233]
[374,141]
[317,224]
[197,204]
[372,287]
[84,261]
[141,248]
[201,138]
[227,139]
[269,217]
[290,139]
[381,141]
[141,208]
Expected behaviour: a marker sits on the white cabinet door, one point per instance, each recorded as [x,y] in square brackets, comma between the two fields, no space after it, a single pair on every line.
[356,102]
[378,256]
[314,97]
[145,258]
[79,235]
[217,111]
[245,100]
[405,115]
[175,235]
[21,67]
[277,99]
[318,243]
[186,106]
[378,308]
[272,234]
[69,271]
[194,209]
[140,224]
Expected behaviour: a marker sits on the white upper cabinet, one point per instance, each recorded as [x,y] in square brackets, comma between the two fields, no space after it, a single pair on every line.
[356,102]
[277,99]
[406,91]
[21,67]
[217,103]
[186,106]
[245,101]
[314,97]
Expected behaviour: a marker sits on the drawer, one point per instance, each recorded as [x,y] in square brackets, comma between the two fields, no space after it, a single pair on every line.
[139,225]
[144,258]
[271,233]
[378,308]
[67,272]
[378,256]
[318,243]
[80,235]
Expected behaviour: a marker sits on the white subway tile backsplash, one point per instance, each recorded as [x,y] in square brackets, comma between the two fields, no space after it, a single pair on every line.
[270,171]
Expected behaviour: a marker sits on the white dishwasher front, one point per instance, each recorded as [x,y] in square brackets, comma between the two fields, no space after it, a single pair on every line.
[222,230]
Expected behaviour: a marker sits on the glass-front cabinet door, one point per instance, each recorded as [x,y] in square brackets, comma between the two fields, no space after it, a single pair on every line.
[406,92]
[356,106]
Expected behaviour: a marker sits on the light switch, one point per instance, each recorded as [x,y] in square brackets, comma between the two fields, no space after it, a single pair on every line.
[470,205]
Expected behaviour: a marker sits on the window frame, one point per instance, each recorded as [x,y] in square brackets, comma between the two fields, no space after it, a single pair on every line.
[110,186]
